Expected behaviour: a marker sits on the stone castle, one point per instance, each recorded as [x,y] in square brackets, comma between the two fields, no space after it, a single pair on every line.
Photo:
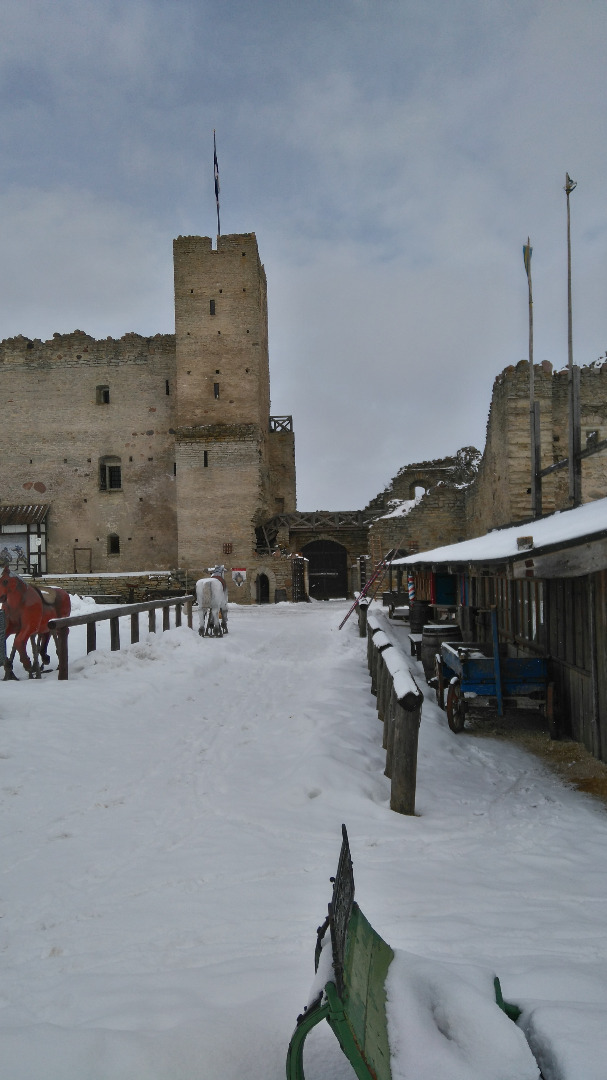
[138,454]
[121,456]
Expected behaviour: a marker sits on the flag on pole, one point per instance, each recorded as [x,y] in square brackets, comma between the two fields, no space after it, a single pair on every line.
[216,173]
[527,252]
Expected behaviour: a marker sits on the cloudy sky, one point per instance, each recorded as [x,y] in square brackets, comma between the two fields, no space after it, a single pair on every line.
[391,155]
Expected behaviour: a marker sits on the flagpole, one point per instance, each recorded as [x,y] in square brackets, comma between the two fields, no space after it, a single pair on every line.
[216,177]
[534,418]
[575,469]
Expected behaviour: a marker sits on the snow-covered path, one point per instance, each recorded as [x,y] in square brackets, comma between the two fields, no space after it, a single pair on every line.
[170,820]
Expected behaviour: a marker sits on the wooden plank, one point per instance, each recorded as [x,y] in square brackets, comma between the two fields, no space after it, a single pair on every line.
[368,958]
[570,562]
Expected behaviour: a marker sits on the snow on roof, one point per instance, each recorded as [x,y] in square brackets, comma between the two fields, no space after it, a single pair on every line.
[563,527]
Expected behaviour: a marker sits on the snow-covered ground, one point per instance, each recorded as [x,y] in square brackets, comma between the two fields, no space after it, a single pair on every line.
[170,820]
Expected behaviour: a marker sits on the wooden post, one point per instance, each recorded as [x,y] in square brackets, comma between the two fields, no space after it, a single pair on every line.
[166,618]
[188,607]
[407,718]
[62,654]
[178,614]
[384,683]
[114,634]
[134,627]
[377,650]
[2,638]
[152,621]
[497,667]
[363,608]
[388,739]
[91,637]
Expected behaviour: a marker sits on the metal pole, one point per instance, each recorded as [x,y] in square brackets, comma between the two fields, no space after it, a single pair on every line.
[216,179]
[534,433]
[575,469]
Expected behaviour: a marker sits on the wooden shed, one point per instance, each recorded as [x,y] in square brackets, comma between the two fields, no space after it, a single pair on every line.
[547,581]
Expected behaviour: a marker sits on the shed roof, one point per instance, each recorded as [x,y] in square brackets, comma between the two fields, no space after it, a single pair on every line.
[25,514]
[565,528]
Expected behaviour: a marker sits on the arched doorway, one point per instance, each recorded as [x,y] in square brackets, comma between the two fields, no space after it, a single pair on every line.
[327,569]
[262,587]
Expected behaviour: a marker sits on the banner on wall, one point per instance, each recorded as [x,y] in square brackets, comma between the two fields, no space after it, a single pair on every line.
[13,551]
[239,576]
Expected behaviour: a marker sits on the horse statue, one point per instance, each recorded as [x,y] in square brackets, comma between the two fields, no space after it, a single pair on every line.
[28,610]
[56,604]
[212,597]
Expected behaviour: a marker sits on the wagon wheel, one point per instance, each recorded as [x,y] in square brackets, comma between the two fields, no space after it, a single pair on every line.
[456,707]
[440,682]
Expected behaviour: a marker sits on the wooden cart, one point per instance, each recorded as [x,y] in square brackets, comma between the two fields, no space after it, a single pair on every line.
[490,679]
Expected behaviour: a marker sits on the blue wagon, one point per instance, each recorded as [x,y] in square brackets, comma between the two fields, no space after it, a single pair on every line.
[489,678]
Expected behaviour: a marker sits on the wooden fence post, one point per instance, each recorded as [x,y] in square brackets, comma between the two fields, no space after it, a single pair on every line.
[384,683]
[380,642]
[363,608]
[91,637]
[406,721]
[166,618]
[62,654]
[188,607]
[134,627]
[114,635]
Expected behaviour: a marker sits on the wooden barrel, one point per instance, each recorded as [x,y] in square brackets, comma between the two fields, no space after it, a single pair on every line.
[433,635]
[419,612]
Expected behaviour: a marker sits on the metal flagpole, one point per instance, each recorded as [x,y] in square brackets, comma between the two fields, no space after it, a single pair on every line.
[534,410]
[575,469]
[216,173]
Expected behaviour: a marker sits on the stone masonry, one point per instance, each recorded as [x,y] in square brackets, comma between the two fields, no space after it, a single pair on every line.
[155,453]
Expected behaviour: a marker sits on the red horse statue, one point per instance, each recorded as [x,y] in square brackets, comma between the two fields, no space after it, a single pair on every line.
[28,610]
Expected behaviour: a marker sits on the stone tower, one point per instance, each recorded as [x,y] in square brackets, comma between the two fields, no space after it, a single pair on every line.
[234,468]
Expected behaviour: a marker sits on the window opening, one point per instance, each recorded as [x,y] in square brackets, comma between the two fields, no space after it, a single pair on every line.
[216,389]
[211,307]
[103,395]
[113,544]
[110,474]
[205,459]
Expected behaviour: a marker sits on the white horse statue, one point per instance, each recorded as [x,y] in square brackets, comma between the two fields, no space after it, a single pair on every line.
[212,597]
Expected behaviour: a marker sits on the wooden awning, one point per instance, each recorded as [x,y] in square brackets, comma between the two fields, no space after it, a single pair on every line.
[26,514]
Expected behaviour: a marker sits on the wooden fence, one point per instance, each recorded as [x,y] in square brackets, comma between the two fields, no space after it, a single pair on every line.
[399,707]
[90,620]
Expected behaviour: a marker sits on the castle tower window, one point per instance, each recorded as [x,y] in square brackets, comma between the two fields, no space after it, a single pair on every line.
[110,474]
[216,389]
[102,395]
[113,544]
[205,459]
[211,307]
[167,388]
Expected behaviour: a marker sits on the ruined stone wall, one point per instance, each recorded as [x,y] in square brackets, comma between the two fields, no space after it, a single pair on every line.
[425,474]
[57,427]
[501,493]
[437,520]
[593,408]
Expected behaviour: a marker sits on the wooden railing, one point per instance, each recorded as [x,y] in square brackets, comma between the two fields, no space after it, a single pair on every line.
[399,707]
[90,620]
